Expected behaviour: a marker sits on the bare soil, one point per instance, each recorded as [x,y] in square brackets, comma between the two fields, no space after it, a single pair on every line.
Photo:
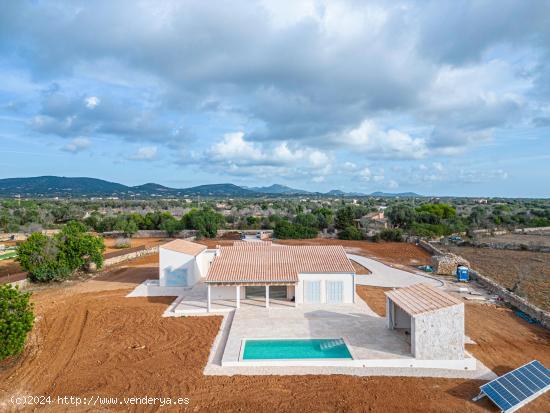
[396,252]
[110,243]
[359,269]
[374,297]
[89,340]
[9,267]
[524,272]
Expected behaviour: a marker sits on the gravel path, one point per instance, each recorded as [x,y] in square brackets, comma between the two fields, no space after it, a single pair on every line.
[383,275]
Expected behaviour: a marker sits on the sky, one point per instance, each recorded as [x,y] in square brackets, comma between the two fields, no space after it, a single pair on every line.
[436,97]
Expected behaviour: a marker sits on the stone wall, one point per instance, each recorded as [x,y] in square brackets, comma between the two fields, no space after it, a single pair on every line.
[439,335]
[513,299]
[146,233]
[109,262]
[447,263]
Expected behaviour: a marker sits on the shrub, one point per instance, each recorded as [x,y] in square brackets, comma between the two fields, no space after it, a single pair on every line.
[391,234]
[50,272]
[350,232]
[16,320]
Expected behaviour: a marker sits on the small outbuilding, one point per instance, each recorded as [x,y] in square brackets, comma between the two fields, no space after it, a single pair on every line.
[433,319]
[182,263]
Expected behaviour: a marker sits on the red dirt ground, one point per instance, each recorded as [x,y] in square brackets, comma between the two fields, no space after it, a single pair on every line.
[134,242]
[396,252]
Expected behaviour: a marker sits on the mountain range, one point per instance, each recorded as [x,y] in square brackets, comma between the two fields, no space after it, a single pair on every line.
[57,186]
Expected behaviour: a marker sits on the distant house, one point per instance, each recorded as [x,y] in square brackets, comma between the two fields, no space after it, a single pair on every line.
[372,222]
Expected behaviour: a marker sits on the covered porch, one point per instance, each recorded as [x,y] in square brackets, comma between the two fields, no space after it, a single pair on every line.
[256,294]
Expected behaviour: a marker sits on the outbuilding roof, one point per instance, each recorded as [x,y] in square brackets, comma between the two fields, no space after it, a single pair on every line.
[265,262]
[185,247]
[421,298]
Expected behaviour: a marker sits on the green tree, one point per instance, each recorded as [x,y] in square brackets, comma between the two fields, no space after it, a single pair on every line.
[55,258]
[344,217]
[287,230]
[401,215]
[16,320]
[171,226]
[205,221]
[77,248]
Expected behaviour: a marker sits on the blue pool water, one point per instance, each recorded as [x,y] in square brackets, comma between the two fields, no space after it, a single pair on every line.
[296,349]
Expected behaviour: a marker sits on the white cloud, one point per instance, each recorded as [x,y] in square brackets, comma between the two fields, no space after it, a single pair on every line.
[77,145]
[234,148]
[349,166]
[365,174]
[392,184]
[370,139]
[145,153]
[438,166]
[318,179]
[92,102]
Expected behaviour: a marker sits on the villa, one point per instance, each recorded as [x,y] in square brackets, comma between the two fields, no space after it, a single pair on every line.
[298,274]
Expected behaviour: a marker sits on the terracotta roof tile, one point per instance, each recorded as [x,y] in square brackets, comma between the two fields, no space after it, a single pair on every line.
[421,298]
[265,262]
[186,247]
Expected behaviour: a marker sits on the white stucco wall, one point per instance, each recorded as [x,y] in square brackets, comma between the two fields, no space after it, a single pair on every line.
[172,261]
[205,259]
[346,278]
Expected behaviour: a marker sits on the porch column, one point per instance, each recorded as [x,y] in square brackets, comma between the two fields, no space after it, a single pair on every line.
[208,299]
[267,296]
[238,295]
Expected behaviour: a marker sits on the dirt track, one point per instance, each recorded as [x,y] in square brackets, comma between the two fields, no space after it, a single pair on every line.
[90,340]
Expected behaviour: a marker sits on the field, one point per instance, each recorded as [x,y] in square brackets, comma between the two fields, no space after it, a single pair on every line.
[525,272]
[90,340]
[8,255]
[525,239]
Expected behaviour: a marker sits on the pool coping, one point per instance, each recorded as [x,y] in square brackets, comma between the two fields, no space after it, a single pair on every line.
[288,362]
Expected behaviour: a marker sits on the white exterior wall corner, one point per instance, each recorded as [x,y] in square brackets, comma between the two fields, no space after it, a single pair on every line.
[171,260]
[439,335]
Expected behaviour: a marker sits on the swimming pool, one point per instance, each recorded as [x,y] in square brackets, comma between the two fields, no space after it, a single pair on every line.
[284,349]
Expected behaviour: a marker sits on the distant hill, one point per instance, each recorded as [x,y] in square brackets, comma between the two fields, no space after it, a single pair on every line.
[219,190]
[278,189]
[400,194]
[57,186]
[51,186]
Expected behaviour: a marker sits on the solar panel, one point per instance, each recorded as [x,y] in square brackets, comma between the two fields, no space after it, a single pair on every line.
[518,387]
